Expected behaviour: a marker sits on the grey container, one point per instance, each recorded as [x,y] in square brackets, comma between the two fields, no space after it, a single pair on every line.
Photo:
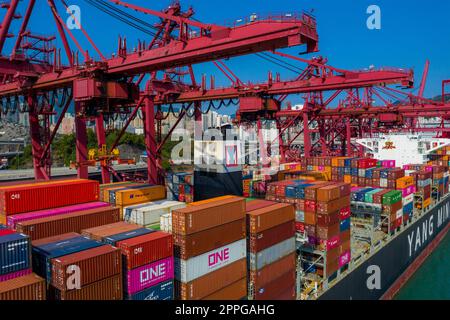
[267,256]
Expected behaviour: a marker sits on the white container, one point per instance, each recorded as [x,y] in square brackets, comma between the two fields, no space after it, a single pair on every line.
[166,222]
[196,267]
[270,255]
[408,199]
[151,213]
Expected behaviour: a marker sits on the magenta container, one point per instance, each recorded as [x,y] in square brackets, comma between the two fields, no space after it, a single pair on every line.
[388,163]
[15,219]
[149,275]
[14,275]
[344,259]
[333,242]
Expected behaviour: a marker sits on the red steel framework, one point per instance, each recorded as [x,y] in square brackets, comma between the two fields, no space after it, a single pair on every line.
[339,104]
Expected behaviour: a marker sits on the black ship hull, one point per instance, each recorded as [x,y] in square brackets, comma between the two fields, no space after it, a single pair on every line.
[373,277]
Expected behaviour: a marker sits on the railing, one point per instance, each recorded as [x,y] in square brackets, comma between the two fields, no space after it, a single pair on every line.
[305,17]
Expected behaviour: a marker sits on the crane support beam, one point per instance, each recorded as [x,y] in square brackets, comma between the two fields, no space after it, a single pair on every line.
[251,38]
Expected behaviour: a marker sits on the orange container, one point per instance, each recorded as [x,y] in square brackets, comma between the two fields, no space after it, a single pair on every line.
[269,217]
[199,203]
[211,282]
[235,291]
[194,219]
[30,287]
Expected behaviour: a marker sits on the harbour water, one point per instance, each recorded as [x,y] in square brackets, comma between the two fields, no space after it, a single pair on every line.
[432,280]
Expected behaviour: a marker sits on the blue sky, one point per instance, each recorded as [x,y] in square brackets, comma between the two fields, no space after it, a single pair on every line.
[411,33]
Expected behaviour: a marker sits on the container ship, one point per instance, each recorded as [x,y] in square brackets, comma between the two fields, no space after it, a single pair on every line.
[323,228]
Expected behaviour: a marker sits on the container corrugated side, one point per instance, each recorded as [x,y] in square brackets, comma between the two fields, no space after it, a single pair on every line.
[271,254]
[149,275]
[189,270]
[107,186]
[162,291]
[112,240]
[151,247]
[107,289]
[58,238]
[14,275]
[258,204]
[259,278]
[101,232]
[267,238]
[278,287]
[186,247]
[15,253]
[212,282]
[30,287]
[15,219]
[269,217]
[46,196]
[72,222]
[151,213]
[194,219]
[93,265]
[146,194]
[235,291]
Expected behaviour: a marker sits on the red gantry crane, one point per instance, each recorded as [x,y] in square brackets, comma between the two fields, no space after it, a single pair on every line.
[111,85]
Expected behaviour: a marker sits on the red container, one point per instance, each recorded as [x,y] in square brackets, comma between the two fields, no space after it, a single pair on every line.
[275,289]
[20,199]
[270,237]
[142,250]
[94,264]
[300,226]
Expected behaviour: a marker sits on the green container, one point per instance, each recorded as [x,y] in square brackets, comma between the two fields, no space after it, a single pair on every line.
[368,197]
[392,197]
[155,227]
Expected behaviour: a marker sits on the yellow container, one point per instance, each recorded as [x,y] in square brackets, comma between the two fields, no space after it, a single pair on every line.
[427,202]
[129,197]
[199,203]
[104,195]
[348,179]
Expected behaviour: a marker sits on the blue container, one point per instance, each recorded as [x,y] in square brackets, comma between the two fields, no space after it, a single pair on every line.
[360,195]
[348,162]
[3,227]
[291,191]
[354,172]
[408,208]
[384,173]
[161,291]
[187,189]
[347,170]
[43,255]
[112,240]
[369,173]
[15,252]
[340,170]
[345,225]
[301,190]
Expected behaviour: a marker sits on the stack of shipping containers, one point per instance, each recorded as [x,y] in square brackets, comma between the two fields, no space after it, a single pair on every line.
[181,187]
[210,250]
[271,250]
[17,282]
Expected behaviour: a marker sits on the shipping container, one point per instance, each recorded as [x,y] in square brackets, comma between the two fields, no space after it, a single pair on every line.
[43,254]
[13,275]
[21,199]
[148,275]
[107,186]
[191,269]
[267,238]
[257,204]
[112,240]
[275,289]
[58,238]
[259,278]
[265,257]
[15,219]
[93,265]
[186,247]
[71,222]
[132,196]
[30,287]
[15,253]
[266,218]
[235,291]
[106,289]
[151,213]
[202,217]
[141,250]
[162,291]
[211,282]
[101,232]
